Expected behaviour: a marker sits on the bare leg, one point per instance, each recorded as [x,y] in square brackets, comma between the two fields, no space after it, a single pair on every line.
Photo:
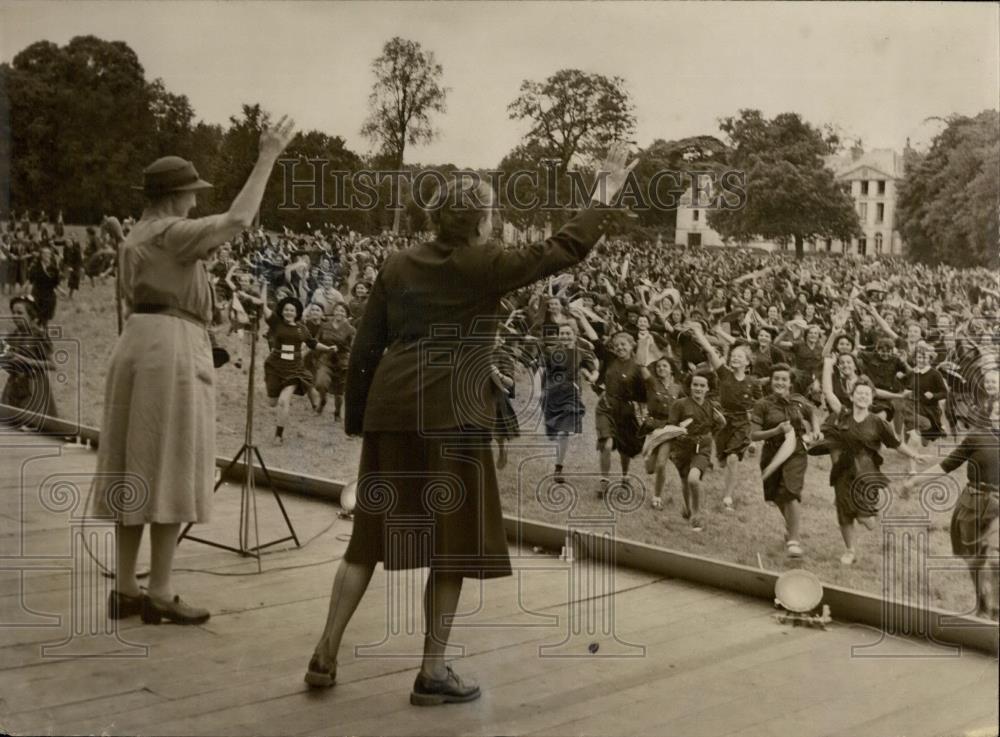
[790,511]
[128,539]
[732,465]
[349,585]
[562,445]
[164,544]
[440,603]
[626,462]
[694,491]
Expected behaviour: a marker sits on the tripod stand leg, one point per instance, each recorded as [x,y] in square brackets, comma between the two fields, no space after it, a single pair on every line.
[277,498]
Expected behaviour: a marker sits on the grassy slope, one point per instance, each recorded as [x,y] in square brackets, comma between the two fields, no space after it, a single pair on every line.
[316,445]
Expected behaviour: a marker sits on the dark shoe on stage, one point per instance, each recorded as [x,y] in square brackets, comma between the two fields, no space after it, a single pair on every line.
[122,605]
[451,690]
[176,611]
[320,676]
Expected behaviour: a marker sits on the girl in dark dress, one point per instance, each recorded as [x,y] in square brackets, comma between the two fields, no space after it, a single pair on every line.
[786,422]
[617,410]
[662,390]
[691,452]
[502,376]
[26,356]
[737,392]
[342,333]
[562,404]
[285,372]
[855,438]
[975,521]
[922,414]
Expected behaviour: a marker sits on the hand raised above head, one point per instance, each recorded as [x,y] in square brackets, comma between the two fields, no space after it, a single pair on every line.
[613,172]
[275,138]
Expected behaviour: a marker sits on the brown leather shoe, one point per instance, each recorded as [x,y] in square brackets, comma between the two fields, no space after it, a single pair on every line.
[450,690]
[176,611]
[122,605]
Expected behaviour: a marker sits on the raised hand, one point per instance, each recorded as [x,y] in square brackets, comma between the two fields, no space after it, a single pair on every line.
[612,173]
[274,139]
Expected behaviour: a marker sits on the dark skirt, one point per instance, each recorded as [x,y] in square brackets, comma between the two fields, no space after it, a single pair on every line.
[278,374]
[734,438]
[563,410]
[615,419]
[429,502]
[971,522]
[787,482]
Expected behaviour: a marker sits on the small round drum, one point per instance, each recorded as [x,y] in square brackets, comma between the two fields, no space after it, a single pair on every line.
[798,591]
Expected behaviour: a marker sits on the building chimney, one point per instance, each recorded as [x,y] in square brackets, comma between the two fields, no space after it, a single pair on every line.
[856,150]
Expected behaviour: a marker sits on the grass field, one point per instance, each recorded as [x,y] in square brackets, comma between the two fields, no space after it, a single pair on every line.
[752,535]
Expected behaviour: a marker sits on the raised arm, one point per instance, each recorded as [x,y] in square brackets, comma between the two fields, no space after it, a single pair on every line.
[831,397]
[510,270]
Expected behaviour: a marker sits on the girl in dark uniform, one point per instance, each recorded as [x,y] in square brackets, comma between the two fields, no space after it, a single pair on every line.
[617,413]
[738,392]
[855,437]
[662,390]
[562,405]
[691,452]
[342,333]
[285,372]
[922,416]
[780,420]
[502,375]
[975,527]
[26,355]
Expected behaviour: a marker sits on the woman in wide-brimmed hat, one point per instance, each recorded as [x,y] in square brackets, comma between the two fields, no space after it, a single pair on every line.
[156,461]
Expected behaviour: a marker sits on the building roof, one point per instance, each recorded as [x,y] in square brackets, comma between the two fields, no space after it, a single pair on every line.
[883,160]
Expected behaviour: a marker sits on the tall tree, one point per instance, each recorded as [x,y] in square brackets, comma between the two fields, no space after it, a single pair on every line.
[574,114]
[790,193]
[407,89]
[947,209]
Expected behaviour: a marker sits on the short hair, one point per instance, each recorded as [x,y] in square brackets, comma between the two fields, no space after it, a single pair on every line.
[460,206]
[780,366]
[863,381]
[700,374]
[924,347]
[625,336]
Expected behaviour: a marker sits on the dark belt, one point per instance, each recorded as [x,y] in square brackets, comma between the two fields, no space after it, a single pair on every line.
[150,309]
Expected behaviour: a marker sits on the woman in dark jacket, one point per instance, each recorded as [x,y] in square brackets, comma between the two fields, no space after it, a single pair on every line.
[419,393]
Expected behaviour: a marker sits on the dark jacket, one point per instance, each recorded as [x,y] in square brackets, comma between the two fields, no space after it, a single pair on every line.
[422,354]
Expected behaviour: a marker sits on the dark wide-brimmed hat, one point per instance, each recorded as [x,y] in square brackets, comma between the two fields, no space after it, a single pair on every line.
[278,308]
[170,174]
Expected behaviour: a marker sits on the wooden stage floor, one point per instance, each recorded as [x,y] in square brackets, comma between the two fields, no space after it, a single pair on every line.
[672,658]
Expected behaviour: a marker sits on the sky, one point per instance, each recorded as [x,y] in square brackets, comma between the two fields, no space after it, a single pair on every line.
[875,71]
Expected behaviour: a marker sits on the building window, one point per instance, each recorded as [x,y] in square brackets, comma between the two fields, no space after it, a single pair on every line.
[879,212]
[863,211]
[863,246]
[864,187]
[829,245]
[847,186]
[881,186]
[695,216]
[878,243]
